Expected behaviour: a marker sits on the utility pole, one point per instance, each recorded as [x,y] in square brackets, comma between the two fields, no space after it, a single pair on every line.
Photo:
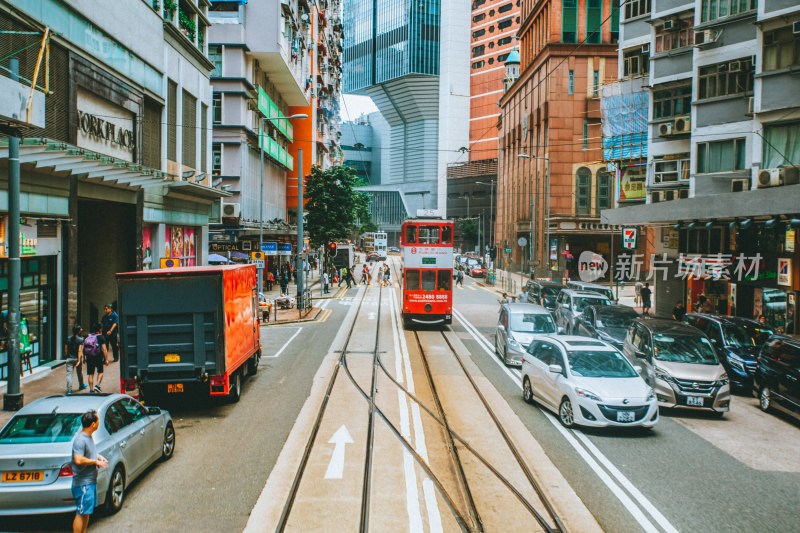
[13,399]
[301,268]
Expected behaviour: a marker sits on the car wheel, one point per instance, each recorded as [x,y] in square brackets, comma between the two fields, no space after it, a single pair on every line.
[168,447]
[765,399]
[235,388]
[252,364]
[527,391]
[116,490]
[565,414]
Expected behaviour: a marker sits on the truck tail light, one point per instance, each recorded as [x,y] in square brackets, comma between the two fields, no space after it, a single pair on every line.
[217,384]
[127,384]
[66,471]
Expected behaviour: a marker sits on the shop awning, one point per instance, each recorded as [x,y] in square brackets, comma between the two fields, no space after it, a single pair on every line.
[61,158]
[772,201]
[196,190]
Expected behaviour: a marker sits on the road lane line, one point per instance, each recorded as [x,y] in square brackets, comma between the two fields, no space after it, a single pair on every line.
[296,333]
[516,375]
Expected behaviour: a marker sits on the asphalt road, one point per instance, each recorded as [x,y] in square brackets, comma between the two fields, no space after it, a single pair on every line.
[224,452]
[691,473]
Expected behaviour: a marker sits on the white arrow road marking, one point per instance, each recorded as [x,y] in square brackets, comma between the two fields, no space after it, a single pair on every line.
[336,466]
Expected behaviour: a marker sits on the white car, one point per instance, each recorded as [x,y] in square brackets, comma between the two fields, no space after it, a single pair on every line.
[586,382]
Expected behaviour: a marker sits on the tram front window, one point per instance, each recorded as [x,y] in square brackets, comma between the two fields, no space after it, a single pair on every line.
[447,235]
[412,279]
[411,234]
[429,234]
[445,280]
[428,280]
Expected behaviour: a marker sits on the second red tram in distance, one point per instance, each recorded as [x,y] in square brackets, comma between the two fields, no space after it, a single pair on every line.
[427,247]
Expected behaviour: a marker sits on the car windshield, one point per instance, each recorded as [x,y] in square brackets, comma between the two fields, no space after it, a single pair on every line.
[600,364]
[550,292]
[531,323]
[582,301]
[737,336]
[41,428]
[759,334]
[684,349]
[615,320]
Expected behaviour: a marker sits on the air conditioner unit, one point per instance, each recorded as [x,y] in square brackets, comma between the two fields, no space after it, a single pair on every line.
[796,27]
[646,48]
[769,177]
[656,196]
[682,124]
[740,185]
[665,129]
[704,36]
[751,105]
[231,210]
[734,66]
[683,193]
[791,175]
[669,24]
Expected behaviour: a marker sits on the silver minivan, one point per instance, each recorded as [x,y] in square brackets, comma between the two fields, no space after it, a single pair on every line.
[516,327]
[592,287]
[571,304]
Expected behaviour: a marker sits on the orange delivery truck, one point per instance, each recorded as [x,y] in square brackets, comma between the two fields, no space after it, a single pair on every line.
[188,330]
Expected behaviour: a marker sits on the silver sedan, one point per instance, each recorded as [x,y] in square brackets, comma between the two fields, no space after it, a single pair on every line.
[36,450]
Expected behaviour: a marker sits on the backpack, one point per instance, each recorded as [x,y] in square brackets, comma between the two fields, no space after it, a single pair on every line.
[91,347]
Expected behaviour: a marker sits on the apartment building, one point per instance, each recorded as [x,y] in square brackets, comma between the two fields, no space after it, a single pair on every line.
[724,118]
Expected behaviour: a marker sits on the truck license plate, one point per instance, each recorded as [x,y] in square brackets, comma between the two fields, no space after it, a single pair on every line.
[173,388]
[172,358]
[17,477]
[625,416]
[694,401]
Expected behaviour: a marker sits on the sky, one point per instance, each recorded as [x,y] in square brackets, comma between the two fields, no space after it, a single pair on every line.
[352,106]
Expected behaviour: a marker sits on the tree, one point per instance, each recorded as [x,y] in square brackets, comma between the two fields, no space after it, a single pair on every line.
[468,227]
[333,206]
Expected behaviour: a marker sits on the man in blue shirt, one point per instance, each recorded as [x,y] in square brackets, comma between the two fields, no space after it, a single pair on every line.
[85,462]
[110,330]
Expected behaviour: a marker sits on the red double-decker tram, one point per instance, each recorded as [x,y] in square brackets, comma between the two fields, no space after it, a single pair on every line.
[427,245]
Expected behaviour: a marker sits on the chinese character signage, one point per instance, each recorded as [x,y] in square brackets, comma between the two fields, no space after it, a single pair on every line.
[631,183]
[693,266]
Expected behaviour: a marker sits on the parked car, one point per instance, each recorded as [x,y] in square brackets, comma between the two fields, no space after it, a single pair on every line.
[477,271]
[736,345]
[777,379]
[586,382]
[516,326]
[394,249]
[592,287]
[680,363]
[608,323]
[544,293]
[36,450]
[571,304]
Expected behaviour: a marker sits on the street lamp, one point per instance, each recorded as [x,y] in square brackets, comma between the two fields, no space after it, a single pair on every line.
[547,203]
[261,203]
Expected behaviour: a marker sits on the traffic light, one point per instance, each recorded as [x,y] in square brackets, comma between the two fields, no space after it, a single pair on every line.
[332,249]
[493,252]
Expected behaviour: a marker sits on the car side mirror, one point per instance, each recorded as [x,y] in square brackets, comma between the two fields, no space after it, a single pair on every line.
[640,354]
[501,327]
[555,369]
[153,410]
[638,369]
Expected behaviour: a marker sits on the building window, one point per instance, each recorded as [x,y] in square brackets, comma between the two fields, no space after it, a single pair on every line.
[674,102]
[504,41]
[571,83]
[583,181]
[636,8]
[720,156]
[203,137]
[603,190]
[502,57]
[216,107]
[478,51]
[569,21]
[671,170]
[491,29]
[478,64]
[505,8]
[596,83]
[726,79]
[715,9]
[594,20]
[172,120]
[503,24]
[636,62]
[216,159]
[478,18]
[189,134]
[781,49]
[585,134]
[781,145]
[674,35]
[478,3]
[479,33]
[215,55]
[614,21]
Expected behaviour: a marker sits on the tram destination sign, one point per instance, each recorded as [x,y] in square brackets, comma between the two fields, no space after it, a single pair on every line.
[429,261]
[428,256]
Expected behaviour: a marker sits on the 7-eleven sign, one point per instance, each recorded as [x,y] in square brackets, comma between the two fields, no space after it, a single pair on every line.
[629,238]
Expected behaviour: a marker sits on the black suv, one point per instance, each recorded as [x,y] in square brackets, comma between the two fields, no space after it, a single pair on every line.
[544,293]
[778,375]
[609,323]
[736,341]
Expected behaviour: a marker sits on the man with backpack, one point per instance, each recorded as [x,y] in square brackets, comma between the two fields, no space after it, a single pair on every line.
[74,355]
[96,354]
